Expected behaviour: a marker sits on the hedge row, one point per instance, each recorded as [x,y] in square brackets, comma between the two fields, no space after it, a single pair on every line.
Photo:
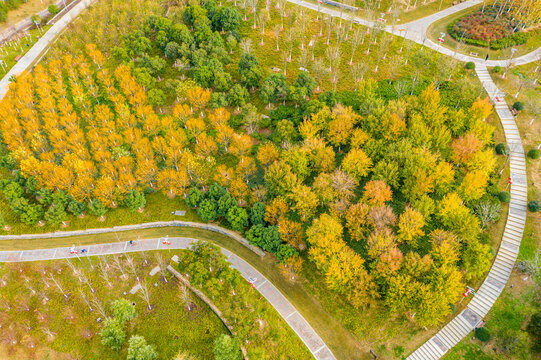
[518,38]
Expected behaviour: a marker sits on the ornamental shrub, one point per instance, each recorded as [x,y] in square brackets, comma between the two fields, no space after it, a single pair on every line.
[497,69]
[482,334]
[53,9]
[470,65]
[504,196]
[519,105]
[534,206]
[533,154]
[502,149]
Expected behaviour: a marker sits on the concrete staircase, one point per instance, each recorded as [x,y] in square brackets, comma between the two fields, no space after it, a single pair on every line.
[483,300]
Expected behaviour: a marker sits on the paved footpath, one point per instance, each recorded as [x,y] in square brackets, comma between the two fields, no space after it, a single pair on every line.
[41,45]
[492,287]
[287,311]
[416,31]
[467,320]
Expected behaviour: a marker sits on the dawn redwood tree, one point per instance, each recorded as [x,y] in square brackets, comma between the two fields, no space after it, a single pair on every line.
[250,71]
[238,218]
[237,96]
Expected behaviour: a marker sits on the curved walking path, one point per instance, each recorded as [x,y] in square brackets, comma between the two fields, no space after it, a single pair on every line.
[416,31]
[483,300]
[287,311]
[466,321]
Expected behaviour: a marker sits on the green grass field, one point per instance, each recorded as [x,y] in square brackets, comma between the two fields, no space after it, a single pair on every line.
[18,48]
[66,324]
[440,26]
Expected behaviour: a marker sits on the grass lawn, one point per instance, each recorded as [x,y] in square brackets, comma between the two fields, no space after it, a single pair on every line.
[531,138]
[417,9]
[171,325]
[24,11]
[18,48]
[158,208]
[439,26]
[342,343]
[514,307]
[383,62]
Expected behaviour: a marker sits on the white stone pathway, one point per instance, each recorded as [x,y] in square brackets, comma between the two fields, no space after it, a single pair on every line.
[492,287]
[416,31]
[39,48]
[287,311]
[485,297]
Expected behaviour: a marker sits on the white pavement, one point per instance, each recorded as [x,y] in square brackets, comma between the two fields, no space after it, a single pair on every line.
[416,31]
[41,45]
[492,287]
[287,311]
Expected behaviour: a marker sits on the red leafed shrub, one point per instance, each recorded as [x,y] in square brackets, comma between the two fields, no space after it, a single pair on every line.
[487,26]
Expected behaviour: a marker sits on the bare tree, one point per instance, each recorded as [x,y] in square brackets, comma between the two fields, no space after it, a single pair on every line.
[104,272]
[303,59]
[86,280]
[246,45]
[329,28]
[488,212]
[253,4]
[83,296]
[131,264]
[394,67]
[29,286]
[57,285]
[145,294]
[303,19]
[282,8]
[285,57]
[76,271]
[118,264]
[162,264]
[184,296]
[48,333]
[400,87]
[356,39]
[291,39]
[263,18]
[98,306]
[335,77]
[383,46]
[318,69]
[277,36]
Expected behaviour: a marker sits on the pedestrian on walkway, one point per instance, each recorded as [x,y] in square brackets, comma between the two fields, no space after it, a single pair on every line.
[131,242]
[486,58]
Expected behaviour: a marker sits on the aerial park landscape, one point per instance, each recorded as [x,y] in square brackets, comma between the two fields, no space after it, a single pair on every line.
[279,179]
